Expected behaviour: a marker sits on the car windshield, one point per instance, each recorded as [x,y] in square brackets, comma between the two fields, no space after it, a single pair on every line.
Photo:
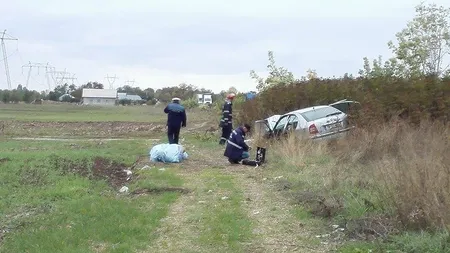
[320,113]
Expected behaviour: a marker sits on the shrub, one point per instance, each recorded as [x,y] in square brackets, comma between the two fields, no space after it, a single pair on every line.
[381,98]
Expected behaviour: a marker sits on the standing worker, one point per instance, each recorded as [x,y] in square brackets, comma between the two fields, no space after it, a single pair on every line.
[226,123]
[176,118]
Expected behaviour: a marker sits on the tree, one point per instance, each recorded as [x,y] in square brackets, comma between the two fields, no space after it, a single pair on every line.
[232,89]
[277,75]
[311,74]
[424,44]
[93,85]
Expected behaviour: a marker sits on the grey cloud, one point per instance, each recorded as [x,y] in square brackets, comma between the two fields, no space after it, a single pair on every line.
[212,45]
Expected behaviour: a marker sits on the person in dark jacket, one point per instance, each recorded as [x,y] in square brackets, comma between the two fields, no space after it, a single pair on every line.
[226,122]
[236,149]
[176,118]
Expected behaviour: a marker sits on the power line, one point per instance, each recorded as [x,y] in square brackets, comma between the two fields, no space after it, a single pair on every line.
[111,80]
[130,81]
[5,56]
[37,65]
[59,77]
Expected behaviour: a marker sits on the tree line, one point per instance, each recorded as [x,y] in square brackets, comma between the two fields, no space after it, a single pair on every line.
[184,91]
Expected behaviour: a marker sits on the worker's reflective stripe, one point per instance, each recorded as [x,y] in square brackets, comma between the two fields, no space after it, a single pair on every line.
[226,111]
[225,118]
[222,138]
[234,132]
[230,114]
[234,144]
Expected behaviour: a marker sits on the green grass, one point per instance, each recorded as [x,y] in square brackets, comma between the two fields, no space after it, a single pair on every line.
[47,210]
[225,224]
[74,113]
[409,242]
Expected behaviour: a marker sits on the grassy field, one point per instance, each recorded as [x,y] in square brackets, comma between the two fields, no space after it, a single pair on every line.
[63,196]
[74,113]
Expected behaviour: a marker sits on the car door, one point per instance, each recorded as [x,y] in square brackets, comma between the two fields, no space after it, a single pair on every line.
[280,126]
[292,123]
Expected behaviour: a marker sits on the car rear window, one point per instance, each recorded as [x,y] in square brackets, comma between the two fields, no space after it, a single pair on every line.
[319,113]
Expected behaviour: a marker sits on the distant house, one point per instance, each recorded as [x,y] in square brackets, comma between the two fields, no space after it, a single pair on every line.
[66,97]
[125,96]
[99,97]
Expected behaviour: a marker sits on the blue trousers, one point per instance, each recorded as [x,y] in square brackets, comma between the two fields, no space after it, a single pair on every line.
[173,134]
[244,155]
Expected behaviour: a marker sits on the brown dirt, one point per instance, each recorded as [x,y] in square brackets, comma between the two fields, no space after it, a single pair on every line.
[85,129]
[4,160]
[159,190]
[100,169]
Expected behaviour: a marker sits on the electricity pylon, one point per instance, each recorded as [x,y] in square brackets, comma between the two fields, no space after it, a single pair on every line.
[5,56]
[111,80]
[37,65]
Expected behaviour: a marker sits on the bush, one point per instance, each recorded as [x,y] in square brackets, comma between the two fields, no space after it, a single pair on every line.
[190,103]
[381,98]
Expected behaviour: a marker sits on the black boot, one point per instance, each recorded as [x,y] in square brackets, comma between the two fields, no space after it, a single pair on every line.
[222,142]
[250,162]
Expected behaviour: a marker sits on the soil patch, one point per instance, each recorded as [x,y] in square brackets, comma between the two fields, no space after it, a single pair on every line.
[4,160]
[371,228]
[100,168]
[87,129]
[160,190]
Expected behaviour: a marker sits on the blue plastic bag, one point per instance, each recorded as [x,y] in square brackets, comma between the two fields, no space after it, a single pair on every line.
[168,153]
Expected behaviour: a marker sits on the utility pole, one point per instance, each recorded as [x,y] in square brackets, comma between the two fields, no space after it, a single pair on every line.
[130,81]
[111,80]
[5,56]
[48,70]
[59,76]
[71,78]
[30,66]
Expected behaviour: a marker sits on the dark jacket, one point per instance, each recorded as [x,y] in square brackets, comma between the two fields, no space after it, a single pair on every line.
[176,115]
[236,145]
[227,114]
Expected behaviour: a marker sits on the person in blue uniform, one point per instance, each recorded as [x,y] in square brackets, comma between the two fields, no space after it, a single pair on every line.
[176,118]
[236,149]
[226,122]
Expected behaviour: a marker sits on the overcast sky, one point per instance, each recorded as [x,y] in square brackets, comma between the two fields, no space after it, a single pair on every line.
[212,44]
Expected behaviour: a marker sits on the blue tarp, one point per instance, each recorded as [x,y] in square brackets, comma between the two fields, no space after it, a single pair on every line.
[168,153]
[250,95]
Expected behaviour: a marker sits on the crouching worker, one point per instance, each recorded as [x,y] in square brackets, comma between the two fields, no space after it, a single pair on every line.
[237,150]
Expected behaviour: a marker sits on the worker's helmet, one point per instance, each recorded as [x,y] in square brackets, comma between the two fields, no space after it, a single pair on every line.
[231,96]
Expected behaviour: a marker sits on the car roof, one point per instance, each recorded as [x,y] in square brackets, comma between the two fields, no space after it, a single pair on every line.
[307,109]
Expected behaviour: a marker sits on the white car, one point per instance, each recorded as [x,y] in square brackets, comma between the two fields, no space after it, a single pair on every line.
[320,122]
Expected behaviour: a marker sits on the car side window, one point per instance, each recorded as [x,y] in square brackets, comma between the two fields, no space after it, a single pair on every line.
[292,123]
[279,127]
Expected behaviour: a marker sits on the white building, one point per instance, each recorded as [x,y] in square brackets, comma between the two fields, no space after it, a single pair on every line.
[99,97]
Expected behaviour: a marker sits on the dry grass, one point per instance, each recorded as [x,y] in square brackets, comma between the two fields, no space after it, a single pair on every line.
[395,169]
[412,165]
